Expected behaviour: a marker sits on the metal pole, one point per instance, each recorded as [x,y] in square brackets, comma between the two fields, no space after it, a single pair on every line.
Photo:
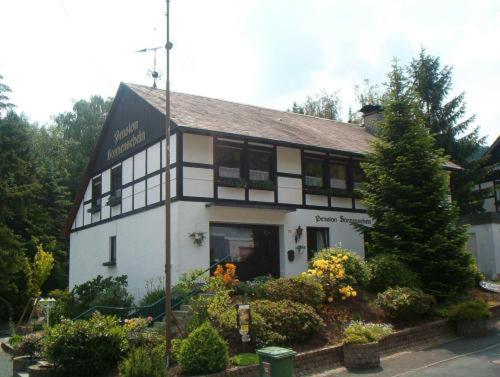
[168,291]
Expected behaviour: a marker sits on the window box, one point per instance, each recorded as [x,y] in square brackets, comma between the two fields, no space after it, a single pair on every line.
[317,190]
[114,200]
[94,208]
[344,193]
[109,263]
[262,185]
[231,182]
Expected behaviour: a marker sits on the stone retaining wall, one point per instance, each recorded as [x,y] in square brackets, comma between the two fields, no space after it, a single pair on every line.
[332,356]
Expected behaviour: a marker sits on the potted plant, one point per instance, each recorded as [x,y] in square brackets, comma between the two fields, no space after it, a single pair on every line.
[470,317]
[361,350]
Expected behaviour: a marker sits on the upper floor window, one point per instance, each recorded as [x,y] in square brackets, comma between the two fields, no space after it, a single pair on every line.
[260,165]
[359,176]
[313,170]
[96,191]
[338,175]
[230,161]
[116,181]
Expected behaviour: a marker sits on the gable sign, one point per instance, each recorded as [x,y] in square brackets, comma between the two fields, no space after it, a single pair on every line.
[125,139]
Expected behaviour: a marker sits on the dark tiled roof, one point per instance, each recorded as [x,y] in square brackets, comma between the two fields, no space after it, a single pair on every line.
[211,114]
[223,116]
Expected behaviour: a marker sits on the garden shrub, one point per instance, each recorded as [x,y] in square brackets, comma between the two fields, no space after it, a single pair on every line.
[340,272]
[140,335]
[28,345]
[302,289]
[188,282]
[142,362]
[202,352]
[386,271]
[110,291]
[216,307]
[155,291]
[253,288]
[283,322]
[90,347]
[404,303]
[469,310]
[358,332]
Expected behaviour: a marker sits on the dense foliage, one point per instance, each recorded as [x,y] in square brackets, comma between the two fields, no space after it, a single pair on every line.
[469,310]
[110,291]
[403,303]
[86,347]
[40,168]
[303,289]
[283,322]
[386,270]
[203,351]
[142,362]
[362,333]
[406,195]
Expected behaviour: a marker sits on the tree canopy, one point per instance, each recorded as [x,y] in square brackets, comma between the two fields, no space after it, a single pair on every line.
[406,195]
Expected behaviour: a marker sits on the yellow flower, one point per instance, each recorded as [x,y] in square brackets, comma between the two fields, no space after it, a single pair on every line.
[330,299]
[345,257]
[354,294]
[343,297]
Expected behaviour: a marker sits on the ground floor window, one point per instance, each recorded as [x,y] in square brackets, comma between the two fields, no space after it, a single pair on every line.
[317,239]
[254,249]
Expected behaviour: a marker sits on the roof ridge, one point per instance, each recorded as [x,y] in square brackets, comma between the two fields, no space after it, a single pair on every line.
[253,106]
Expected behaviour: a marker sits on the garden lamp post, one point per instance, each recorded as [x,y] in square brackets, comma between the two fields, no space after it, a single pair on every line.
[47,304]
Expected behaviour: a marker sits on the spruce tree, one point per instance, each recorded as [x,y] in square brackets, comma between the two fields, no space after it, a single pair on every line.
[445,117]
[406,195]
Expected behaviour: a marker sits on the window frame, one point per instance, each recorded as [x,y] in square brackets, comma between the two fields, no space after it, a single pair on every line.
[112,251]
[113,188]
[96,197]
[325,229]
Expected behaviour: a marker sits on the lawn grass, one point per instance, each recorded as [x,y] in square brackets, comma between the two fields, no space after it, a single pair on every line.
[244,359]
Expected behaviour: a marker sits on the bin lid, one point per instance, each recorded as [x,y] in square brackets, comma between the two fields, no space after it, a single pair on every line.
[276,352]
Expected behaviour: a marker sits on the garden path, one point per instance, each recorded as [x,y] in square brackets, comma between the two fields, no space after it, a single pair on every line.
[5,363]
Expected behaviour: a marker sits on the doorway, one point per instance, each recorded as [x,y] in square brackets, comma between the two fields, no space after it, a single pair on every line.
[254,249]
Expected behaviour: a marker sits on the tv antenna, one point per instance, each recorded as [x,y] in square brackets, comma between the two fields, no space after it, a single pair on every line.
[153,72]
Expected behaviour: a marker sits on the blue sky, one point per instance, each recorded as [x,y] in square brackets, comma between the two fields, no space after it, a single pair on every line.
[268,53]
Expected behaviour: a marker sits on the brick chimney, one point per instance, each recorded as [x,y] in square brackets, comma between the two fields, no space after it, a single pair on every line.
[372,115]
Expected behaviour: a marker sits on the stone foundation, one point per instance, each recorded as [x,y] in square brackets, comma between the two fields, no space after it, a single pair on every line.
[362,356]
[472,328]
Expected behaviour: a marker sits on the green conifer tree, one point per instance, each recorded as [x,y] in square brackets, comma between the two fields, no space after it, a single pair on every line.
[407,197]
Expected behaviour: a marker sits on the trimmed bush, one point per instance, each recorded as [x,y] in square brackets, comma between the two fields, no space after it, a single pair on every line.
[469,310]
[358,332]
[403,303]
[28,345]
[387,271]
[253,288]
[142,362]
[203,351]
[283,322]
[301,289]
[90,347]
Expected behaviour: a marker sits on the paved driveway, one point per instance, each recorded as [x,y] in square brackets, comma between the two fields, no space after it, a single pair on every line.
[462,357]
[5,363]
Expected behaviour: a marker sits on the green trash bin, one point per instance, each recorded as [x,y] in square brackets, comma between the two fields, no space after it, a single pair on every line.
[275,362]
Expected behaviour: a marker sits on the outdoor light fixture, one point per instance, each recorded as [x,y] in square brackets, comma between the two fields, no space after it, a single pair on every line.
[298,234]
[47,304]
[244,320]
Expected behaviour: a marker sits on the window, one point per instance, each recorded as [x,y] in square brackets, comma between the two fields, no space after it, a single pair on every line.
[112,249]
[359,176]
[338,175]
[116,181]
[313,170]
[317,239]
[230,161]
[96,192]
[260,165]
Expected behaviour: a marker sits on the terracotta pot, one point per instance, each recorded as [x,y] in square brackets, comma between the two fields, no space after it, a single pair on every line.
[472,328]
[361,356]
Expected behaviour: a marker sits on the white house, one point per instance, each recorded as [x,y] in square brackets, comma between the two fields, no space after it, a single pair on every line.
[484,231]
[263,189]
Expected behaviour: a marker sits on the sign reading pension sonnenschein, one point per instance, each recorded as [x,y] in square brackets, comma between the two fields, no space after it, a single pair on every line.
[132,126]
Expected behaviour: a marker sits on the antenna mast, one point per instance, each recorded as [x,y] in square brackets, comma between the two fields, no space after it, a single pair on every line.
[153,72]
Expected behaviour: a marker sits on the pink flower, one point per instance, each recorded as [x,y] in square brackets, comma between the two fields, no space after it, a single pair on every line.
[149,318]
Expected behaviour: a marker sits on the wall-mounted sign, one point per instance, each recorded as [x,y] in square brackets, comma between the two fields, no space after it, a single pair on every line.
[125,139]
[342,219]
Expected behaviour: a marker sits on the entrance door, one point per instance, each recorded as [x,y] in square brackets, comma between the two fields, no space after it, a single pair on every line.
[254,249]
